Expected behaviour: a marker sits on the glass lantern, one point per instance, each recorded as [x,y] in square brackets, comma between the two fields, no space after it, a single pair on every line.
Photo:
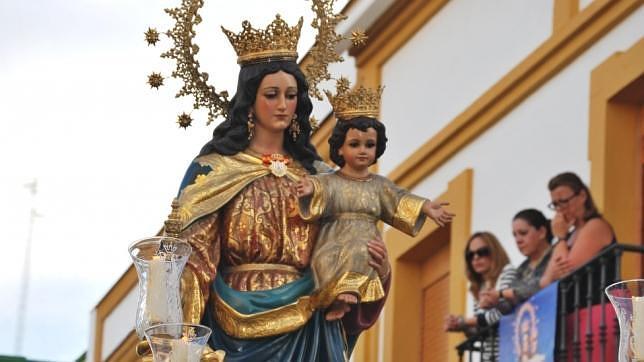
[627,297]
[177,342]
[159,262]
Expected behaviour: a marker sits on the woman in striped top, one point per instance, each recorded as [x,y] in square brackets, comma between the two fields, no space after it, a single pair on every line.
[487,267]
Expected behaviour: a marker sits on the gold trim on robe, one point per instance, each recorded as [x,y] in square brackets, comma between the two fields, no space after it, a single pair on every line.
[370,289]
[406,217]
[276,321]
[261,267]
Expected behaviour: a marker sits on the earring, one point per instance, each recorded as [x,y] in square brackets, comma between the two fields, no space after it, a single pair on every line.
[294,128]
[251,125]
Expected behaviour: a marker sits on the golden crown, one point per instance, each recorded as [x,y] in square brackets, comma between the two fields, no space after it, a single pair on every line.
[277,42]
[351,103]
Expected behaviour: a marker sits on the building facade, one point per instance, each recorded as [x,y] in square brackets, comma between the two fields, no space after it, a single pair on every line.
[484,102]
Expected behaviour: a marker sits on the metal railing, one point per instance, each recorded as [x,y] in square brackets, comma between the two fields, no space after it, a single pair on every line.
[479,343]
[581,289]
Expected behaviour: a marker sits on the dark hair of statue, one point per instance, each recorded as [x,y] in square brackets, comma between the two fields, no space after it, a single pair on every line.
[572,181]
[231,136]
[339,135]
[536,219]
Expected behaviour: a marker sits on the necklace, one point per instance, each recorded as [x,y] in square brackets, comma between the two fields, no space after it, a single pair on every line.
[352,178]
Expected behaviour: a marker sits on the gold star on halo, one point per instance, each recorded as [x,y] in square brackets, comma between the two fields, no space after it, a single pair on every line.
[155,80]
[358,38]
[184,120]
[343,85]
[152,36]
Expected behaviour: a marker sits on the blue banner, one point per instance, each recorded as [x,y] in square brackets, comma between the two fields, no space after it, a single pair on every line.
[528,334]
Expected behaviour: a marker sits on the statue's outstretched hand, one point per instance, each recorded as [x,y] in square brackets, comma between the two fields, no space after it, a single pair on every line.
[304,187]
[436,211]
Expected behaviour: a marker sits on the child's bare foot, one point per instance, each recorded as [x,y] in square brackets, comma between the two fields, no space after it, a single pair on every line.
[340,306]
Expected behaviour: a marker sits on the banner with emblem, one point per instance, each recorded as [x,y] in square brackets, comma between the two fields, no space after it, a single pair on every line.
[527,335]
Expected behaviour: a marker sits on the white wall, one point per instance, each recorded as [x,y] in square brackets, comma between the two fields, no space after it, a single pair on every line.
[361,15]
[91,346]
[119,323]
[461,52]
[544,135]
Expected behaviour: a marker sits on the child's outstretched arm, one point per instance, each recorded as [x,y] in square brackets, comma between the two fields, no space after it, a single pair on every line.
[436,211]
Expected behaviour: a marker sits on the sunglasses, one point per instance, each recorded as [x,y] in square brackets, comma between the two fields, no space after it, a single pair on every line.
[482,252]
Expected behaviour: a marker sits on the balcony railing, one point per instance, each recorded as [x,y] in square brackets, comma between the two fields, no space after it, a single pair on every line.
[479,344]
[580,299]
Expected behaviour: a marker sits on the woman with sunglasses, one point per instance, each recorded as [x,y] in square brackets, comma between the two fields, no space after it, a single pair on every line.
[531,231]
[580,231]
[487,268]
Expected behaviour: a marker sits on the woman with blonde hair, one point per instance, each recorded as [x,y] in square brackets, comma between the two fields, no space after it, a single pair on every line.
[487,267]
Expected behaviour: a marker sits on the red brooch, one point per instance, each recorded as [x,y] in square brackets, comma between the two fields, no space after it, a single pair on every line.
[277,163]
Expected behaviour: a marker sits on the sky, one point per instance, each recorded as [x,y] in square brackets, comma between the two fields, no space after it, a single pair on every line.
[78,117]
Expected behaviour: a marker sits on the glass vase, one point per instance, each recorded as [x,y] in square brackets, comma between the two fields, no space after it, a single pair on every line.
[627,297]
[159,262]
[177,342]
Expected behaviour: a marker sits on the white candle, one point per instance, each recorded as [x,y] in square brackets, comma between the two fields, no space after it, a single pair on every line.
[184,351]
[179,351]
[157,296]
[637,328]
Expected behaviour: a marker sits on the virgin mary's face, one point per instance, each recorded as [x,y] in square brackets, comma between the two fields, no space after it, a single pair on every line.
[275,103]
